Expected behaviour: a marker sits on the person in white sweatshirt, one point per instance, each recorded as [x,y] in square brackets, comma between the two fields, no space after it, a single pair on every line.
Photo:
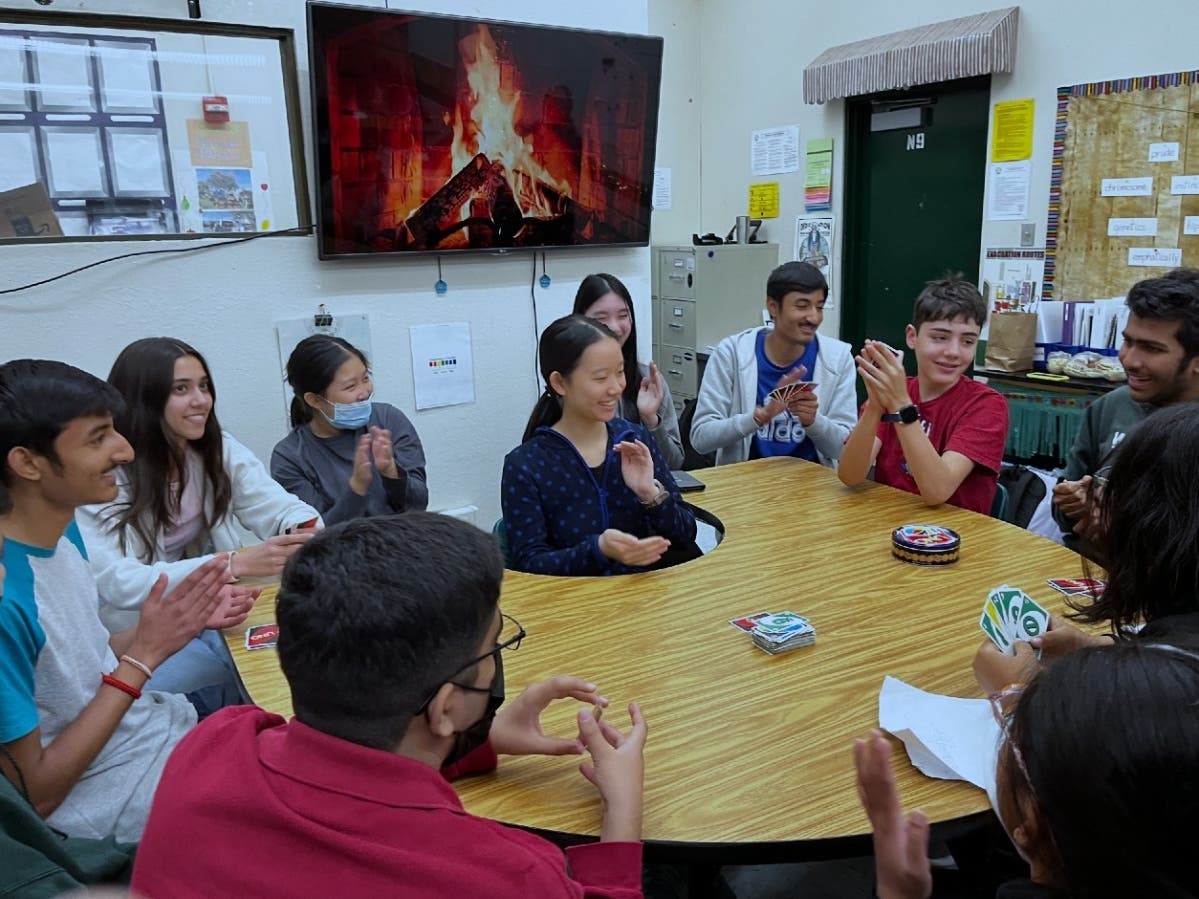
[739,415]
[190,492]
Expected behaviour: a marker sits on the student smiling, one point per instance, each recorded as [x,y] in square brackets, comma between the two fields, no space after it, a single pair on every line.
[940,434]
[588,492]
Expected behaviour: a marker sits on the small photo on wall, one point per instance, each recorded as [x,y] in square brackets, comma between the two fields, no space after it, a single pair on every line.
[227,221]
[225,189]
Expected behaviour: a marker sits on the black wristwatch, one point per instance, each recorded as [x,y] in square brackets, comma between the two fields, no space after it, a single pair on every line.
[906,415]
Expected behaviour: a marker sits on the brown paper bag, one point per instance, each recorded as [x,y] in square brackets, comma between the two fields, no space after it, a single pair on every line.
[1010,341]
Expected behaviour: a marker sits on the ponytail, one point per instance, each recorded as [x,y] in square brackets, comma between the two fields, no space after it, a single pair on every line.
[545,414]
[301,412]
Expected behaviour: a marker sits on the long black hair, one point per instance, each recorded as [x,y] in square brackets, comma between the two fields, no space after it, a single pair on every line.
[1110,742]
[559,350]
[311,368]
[144,375]
[1149,523]
[594,287]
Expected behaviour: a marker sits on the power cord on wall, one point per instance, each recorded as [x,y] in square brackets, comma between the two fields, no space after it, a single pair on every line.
[536,325]
[223,242]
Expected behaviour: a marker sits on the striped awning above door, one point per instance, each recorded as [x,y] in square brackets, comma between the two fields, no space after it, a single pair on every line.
[956,48]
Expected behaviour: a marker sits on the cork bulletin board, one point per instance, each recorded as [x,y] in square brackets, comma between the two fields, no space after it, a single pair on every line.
[1124,191]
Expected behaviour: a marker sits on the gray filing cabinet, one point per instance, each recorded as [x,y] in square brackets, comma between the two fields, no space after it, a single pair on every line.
[700,296]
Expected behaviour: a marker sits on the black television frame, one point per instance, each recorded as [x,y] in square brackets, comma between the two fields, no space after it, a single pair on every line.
[321,140]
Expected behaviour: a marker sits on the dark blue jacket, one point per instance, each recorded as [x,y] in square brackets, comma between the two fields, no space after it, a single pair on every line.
[555,508]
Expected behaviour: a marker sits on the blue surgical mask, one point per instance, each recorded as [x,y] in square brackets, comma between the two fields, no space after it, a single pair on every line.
[349,416]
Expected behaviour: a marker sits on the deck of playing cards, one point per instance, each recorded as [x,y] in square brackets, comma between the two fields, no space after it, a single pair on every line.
[788,392]
[1010,615]
[780,632]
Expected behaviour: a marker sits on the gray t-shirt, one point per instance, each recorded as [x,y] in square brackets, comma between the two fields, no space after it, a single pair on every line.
[317,469]
[54,637]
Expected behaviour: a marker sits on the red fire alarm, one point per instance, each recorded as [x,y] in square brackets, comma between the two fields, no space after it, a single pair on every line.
[216,109]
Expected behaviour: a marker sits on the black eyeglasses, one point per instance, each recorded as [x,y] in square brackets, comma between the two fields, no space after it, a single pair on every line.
[506,640]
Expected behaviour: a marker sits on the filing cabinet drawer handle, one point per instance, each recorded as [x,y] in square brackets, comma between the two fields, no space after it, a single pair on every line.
[675,325]
[674,371]
[679,277]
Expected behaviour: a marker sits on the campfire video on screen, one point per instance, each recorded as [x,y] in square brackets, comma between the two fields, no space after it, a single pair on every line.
[438,134]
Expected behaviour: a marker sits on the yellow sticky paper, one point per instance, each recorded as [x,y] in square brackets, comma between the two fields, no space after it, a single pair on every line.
[764,200]
[1011,131]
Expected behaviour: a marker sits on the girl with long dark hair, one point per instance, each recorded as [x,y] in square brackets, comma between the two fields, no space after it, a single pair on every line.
[588,492]
[346,455]
[646,399]
[1147,530]
[191,491]
[1095,783]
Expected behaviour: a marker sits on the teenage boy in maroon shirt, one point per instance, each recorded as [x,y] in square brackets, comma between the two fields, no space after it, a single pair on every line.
[390,637]
[940,434]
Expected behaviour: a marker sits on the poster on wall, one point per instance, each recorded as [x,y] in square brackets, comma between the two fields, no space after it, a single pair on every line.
[443,370]
[814,245]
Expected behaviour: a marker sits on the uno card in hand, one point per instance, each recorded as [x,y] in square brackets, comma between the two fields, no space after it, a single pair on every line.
[749,622]
[262,636]
[991,627]
[807,386]
[1032,620]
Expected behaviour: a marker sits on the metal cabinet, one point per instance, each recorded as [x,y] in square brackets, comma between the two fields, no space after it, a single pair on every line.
[702,295]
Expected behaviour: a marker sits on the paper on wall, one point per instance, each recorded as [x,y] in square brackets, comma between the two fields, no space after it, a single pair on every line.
[1126,187]
[1163,152]
[1184,184]
[1155,257]
[662,190]
[1190,224]
[774,151]
[1008,196]
[1137,227]
[442,366]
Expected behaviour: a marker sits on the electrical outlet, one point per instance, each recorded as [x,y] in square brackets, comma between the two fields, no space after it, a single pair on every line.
[1028,234]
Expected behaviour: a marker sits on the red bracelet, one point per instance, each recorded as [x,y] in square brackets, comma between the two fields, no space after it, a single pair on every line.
[121,685]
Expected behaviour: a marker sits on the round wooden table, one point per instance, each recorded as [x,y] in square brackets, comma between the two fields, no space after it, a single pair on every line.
[748,757]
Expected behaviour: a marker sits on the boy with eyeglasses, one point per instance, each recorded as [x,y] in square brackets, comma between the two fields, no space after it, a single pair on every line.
[391,639]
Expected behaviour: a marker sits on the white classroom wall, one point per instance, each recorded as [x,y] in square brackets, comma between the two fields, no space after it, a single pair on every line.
[752,54]
[225,301]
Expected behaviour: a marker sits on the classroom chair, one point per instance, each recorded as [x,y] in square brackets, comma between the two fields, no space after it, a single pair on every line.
[999,503]
[500,530]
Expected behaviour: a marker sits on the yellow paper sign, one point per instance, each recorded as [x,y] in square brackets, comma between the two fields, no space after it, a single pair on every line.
[1011,131]
[764,200]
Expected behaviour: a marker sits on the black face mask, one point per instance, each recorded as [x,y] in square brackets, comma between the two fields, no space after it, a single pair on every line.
[468,740]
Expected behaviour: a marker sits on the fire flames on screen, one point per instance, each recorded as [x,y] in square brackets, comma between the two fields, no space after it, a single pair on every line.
[438,134]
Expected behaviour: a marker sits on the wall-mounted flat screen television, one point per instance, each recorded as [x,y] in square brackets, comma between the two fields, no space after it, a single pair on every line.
[438,134]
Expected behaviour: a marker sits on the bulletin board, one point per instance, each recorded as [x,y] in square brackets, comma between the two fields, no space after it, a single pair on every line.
[117,127]
[1124,190]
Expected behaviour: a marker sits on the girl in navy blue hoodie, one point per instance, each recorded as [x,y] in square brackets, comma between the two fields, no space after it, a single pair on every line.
[588,492]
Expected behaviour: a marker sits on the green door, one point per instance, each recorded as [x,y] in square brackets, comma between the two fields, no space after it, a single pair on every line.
[913,201]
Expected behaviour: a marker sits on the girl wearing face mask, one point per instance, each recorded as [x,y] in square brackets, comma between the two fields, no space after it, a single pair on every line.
[192,490]
[346,455]
[588,492]
[1096,781]
[646,399]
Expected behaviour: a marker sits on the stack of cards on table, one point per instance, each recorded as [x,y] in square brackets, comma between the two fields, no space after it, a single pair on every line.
[1077,586]
[1010,615]
[777,632]
[788,392]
